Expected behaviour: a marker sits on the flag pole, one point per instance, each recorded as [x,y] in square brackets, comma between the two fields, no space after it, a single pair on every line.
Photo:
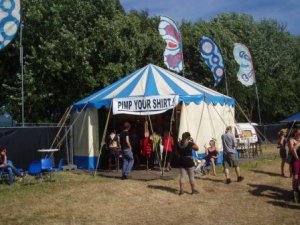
[258,105]
[180,47]
[182,54]
[22,70]
[226,86]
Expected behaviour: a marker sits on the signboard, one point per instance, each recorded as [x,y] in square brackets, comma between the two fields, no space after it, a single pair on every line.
[144,105]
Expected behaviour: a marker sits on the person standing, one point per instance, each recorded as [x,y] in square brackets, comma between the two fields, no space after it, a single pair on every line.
[126,151]
[294,148]
[113,146]
[282,151]
[186,161]
[229,158]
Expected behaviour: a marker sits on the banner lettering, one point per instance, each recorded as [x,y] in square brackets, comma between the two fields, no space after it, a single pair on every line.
[144,105]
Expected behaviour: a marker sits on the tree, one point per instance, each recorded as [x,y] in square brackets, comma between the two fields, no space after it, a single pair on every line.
[73,48]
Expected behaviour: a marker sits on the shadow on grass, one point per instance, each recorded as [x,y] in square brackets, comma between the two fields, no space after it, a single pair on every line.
[267,173]
[164,188]
[285,205]
[281,197]
[209,179]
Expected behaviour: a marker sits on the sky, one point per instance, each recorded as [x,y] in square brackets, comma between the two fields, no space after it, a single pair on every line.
[284,11]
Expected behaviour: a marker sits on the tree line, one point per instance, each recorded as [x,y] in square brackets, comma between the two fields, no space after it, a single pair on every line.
[73,48]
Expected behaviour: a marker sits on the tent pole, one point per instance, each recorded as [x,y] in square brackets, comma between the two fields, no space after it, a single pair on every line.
[61,123]
[68,130]
[290,130]
[151,127]
[200,122]
[183,70]
[240,108]
[103,138]
[211,122]
[165,159]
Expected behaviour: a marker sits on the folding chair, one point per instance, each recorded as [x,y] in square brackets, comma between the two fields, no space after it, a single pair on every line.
[205,167]
[46,166]
[197,157]
[59,166]
[4,172]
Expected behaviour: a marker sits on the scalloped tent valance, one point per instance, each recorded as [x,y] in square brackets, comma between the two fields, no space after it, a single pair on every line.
[153,80]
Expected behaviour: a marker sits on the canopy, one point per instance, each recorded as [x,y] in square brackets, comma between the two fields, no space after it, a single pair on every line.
[294,118]
[152,80]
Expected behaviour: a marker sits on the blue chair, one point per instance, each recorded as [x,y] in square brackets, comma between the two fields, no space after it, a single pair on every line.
[47,169]
[196,156]
[46,164]
[207,164]
[35,169]
[59,166]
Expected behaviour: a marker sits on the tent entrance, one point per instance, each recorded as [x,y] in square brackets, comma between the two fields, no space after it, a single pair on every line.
[158,122]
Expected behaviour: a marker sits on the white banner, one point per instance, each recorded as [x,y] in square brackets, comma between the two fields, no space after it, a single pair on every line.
[144,105]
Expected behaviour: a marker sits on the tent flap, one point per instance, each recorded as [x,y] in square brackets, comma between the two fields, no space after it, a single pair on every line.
[294,118]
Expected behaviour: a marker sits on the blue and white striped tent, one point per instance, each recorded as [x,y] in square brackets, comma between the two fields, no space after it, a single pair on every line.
[207,114]
[153,80]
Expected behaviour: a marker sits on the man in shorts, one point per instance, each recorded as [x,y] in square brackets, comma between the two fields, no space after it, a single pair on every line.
[229,158]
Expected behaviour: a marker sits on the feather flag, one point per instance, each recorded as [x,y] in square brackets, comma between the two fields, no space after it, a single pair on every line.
[173,56]
[242,56]
[212,57]
[9,20]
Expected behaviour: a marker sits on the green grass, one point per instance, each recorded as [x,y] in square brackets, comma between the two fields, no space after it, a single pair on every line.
[80,198]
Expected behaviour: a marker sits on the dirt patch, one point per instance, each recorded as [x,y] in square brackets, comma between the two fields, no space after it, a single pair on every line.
[262,198]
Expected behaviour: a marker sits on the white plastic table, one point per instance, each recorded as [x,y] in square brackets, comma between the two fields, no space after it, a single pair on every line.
[48,151]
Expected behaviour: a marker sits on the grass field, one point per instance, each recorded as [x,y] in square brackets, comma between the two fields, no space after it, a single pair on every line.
[262,198]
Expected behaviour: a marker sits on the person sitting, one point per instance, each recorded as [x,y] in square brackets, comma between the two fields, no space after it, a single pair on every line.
[10,168]
[211,154]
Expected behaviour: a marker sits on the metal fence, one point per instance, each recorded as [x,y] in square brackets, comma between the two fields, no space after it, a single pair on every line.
[22,144]
[270,132]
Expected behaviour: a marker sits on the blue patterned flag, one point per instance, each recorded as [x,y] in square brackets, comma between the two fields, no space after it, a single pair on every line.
[242,56]
[9,20]
[212,57]
[173,56]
